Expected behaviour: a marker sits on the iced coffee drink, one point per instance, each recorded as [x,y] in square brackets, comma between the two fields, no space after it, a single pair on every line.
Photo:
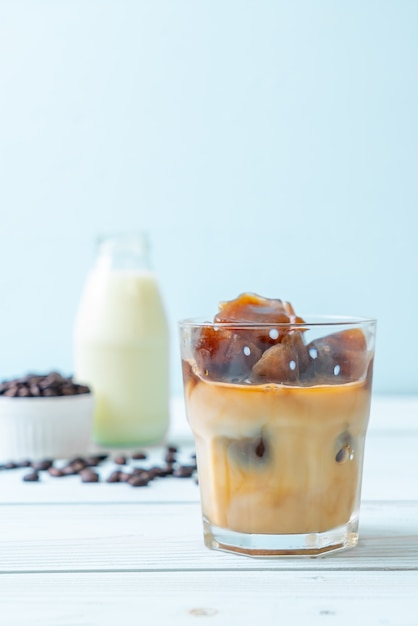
[279,407]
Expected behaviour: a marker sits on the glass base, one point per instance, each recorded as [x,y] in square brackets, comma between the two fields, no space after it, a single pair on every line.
[266,545]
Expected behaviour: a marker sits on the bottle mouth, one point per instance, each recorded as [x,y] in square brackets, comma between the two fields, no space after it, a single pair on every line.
[128,241]
[124,251]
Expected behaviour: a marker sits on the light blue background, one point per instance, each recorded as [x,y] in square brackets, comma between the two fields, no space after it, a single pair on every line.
[268,146]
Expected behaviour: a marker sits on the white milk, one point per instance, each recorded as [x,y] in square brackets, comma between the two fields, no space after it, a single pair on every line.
[121,350]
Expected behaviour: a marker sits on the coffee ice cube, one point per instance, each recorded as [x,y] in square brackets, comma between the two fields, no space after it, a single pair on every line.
[343,354]
[284,362]
[222,354]
[252,308]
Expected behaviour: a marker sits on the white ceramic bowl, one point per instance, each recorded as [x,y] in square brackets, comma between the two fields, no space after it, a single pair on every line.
[45,427]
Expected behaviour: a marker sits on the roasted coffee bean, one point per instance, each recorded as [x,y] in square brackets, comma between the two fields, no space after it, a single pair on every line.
[114,477]
[68,470]
[56,472]
[137,477]
[170,457]
[154,471]
[31,478]
[144,473]
[34,379]
[88,476]
[138,481]
[76,459]
[139,470]
[93,461]
[42,465]
[184,471]
[34,390]
[78,465]
[50,392]
[24,463]
[124,476]
[36,385]
[10,465]
[120,460]
[81,389]
[139,456]
[172,449]
[161,472]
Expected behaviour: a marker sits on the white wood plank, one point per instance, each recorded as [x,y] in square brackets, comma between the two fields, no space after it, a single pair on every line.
[169,537]
[394,413]
[221,598]
[391,466]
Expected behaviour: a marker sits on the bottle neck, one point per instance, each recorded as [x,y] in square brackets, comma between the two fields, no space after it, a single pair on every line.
[124,252]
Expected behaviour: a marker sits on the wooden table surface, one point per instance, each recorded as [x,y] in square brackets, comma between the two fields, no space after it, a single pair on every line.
[75,554]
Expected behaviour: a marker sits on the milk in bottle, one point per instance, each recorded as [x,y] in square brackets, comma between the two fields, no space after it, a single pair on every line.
[121,345]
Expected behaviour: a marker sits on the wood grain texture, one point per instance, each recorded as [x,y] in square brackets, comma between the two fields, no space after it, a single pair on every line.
[223,598]
[76,554]
[156,537]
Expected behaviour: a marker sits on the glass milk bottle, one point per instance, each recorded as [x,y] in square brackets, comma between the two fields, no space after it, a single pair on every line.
[121,345]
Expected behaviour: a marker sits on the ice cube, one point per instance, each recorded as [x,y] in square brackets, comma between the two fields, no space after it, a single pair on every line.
[342,355]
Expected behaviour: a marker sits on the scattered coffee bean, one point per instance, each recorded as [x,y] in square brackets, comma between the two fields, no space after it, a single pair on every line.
[32,477]
[42,465]
[92,461]
[154,472]
[170,457]
[114,477]
[184,471]
[143,474]
[138,481]
[124,476]
[76,459]
[137,477]
[10,465]
[120,460]
[56,472]
[68,470]
[78,465]
[139,456]
[88,476]
[139,470]
[24,463]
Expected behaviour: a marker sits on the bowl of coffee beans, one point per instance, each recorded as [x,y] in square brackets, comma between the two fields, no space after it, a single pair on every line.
[44,415]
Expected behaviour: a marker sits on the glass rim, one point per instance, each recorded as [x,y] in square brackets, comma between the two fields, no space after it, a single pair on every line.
[111,240]
[309,320]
